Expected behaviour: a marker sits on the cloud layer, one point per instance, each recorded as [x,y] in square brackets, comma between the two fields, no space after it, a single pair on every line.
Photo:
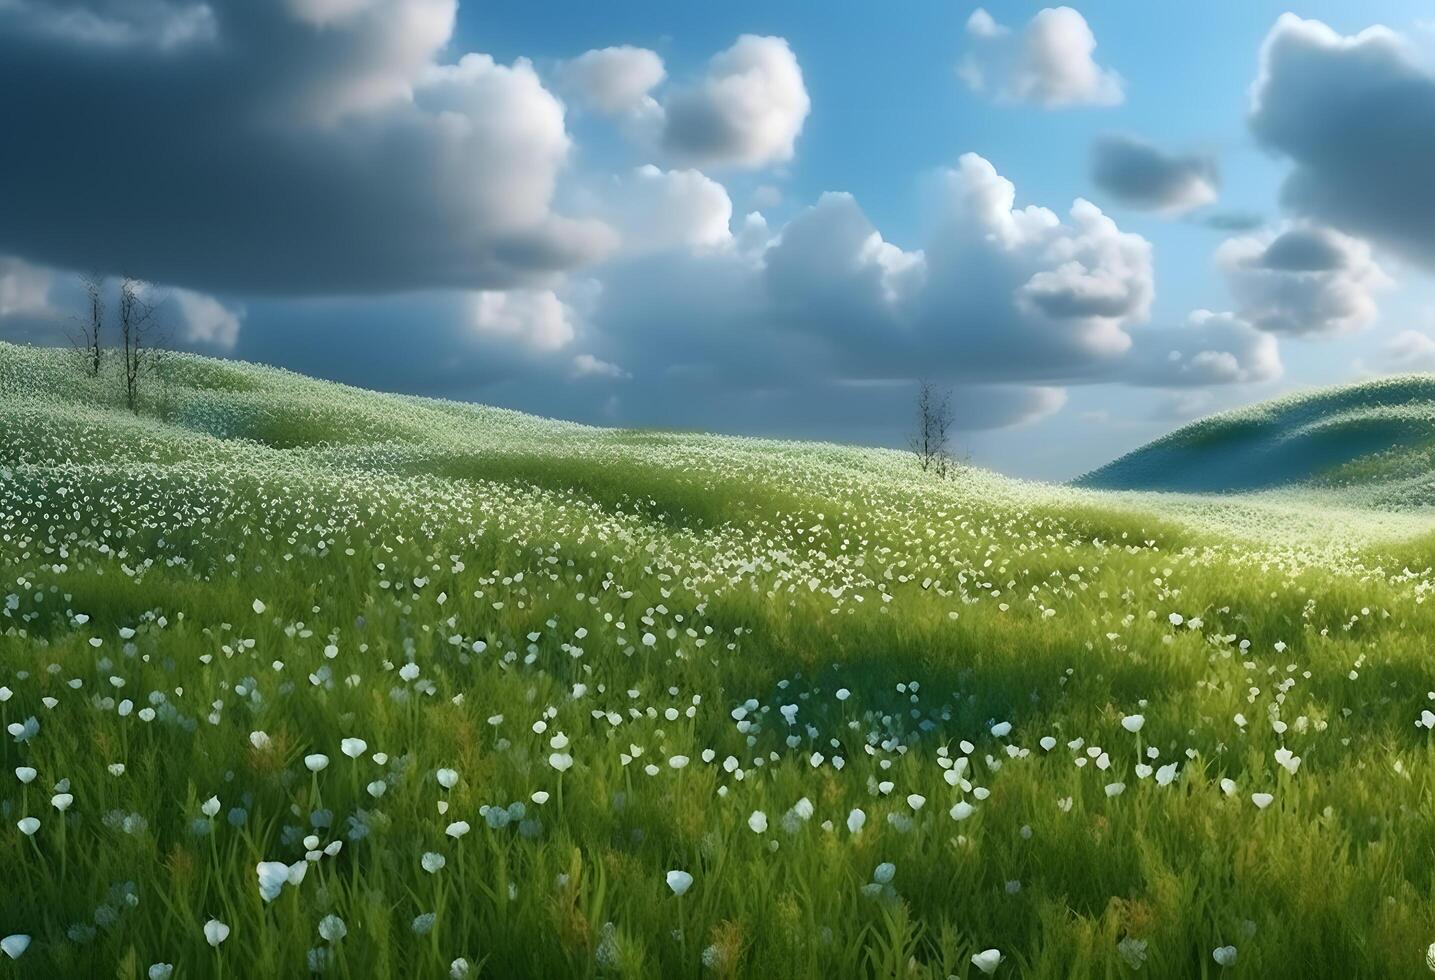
[397,213]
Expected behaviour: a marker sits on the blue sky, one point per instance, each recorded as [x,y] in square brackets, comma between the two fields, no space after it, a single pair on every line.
[431,197]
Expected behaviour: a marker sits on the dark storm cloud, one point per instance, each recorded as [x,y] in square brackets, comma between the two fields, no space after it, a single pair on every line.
[280,146]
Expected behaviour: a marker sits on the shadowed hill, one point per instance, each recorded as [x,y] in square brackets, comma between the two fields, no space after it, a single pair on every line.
[1372,437]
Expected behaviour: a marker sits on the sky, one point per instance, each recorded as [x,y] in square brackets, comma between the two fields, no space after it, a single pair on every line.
[1092,224]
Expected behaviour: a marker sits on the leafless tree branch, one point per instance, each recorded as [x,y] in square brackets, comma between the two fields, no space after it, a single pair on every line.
[89,342]
[139,336]
[933,433]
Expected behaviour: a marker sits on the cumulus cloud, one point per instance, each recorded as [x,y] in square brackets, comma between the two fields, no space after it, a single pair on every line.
[323,137]
[1356,117]
[1302,280]
[614,80]
[535,317]
[997,296]
[1048,63]
[996,293]
[747,112]
[1019,292]
[655,209]
[831,274]
[204,321]
[1210,349]
[1142,175]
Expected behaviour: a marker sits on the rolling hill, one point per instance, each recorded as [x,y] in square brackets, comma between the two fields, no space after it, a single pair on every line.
[1371,442]
[297,679]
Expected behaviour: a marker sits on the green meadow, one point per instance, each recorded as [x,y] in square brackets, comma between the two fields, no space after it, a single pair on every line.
[301,679]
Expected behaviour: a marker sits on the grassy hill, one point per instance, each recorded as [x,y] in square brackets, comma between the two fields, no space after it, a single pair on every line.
[379,684]
[1375,440]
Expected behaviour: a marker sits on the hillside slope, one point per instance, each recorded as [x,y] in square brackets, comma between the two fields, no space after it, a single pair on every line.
[383,686]
[204,414]
[1374,439]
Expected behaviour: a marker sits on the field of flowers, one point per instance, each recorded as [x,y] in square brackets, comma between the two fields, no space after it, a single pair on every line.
[299,679]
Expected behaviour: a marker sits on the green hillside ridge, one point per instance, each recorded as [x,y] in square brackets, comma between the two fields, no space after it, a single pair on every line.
[1373,440]
[390,686]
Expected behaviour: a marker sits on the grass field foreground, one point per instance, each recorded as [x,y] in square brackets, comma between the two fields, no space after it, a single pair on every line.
[298,679]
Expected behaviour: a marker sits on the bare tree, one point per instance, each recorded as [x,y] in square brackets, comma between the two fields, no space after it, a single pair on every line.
[934,423]
[138,335]
[90,339]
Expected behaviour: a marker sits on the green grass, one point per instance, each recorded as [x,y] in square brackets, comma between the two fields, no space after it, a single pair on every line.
[1372,440]
[287,552]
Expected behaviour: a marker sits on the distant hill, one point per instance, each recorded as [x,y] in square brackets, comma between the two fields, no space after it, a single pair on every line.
[1374,438]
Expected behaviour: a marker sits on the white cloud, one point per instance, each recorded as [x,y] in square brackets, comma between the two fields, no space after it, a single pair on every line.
[1211,349]
[614,80]
[1302,280]
[831,273]
[536,318]
[997,294]
[655,209]
[502,136]
[206,321]
[748,112]
[1017,291]
[1048,63]
[982,24]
